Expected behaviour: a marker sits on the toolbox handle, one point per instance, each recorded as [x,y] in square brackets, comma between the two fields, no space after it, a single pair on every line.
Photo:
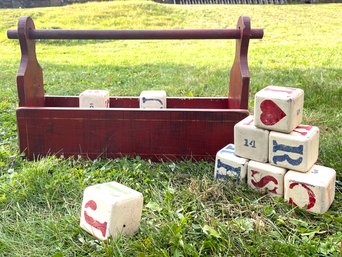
[136,34]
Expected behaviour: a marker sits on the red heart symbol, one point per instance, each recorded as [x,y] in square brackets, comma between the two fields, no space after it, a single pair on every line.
[271,113]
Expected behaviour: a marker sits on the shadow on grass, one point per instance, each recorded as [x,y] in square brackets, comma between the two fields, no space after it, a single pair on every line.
[321,85]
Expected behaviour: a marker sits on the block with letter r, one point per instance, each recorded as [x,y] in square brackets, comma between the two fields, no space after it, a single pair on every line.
[297,150]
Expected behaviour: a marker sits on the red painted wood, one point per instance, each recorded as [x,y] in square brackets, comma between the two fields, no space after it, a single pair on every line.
[239,74]
[30,75]
[137,34]
[133,102]
[190,128]
[154,134]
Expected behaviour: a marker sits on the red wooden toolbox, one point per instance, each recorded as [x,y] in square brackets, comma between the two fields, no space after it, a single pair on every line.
[190,128]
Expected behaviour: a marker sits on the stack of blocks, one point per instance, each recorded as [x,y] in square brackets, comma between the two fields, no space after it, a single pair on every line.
[274,152]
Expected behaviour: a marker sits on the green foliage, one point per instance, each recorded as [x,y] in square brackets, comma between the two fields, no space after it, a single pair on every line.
[186,212]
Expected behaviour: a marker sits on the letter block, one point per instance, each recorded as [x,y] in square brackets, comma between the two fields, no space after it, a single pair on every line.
[313,191]
[251,142]
[155,99]
[279,108]
[297,150]
[94,99]
[230,166]
[266,177]
[110,209]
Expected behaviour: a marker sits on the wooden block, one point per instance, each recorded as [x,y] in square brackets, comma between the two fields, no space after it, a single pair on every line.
[279,108]
[229,166]
[266,177]
[94,99]
[110,209]
[251,142]
[297,150]
[155,99]
[313,191]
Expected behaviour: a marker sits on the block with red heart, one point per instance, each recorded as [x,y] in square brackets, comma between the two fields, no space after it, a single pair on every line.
[94,99]
[110,209]
[279,108]
[251,142]
[297,150]
[153,99]
[313,191]
[265,177]
[228,166]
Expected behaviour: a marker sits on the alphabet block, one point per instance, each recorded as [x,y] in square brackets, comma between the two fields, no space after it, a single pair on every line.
[155,99]
[230,166]
[313,191]
[110,209]
[251,142]
[279,108]
[297,150]
[266,177]
[94,99]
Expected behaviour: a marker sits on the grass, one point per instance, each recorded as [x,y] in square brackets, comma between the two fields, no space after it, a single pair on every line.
[186,212]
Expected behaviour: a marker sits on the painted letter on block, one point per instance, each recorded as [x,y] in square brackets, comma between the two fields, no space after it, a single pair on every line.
[313,191]
[91,221]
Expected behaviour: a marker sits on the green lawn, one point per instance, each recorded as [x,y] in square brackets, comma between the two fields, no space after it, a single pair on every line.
[186,212]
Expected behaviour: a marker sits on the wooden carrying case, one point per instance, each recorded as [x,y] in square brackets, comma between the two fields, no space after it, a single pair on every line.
[190,128]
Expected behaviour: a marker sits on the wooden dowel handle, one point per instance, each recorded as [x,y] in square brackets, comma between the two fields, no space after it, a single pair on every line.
[137,34]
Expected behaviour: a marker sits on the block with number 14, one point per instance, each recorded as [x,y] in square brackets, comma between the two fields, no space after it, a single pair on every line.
[251,142]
